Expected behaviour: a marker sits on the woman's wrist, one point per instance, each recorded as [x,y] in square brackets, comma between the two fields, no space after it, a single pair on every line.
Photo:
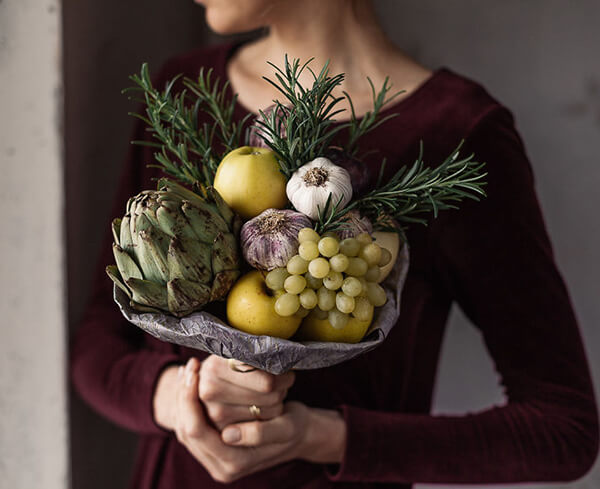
[163,405]
[325,440]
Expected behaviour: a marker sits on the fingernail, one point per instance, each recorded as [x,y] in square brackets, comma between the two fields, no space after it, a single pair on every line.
[189,378]
[231,435]
[180,371]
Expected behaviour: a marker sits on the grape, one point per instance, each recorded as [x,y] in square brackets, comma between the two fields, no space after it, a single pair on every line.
[364,239]
[312,282]
[363,309]
[349,247]
[352,286]
[320,313]
[376,294]
[386,257]
[363,284]
[319,267]
[308,250]
[275,278]
[308,298]
[325,299]
[308,234]
[333,280]
[297,265]
[371,253]
[339,262]
[344,303]
[373,274]
[287,305]
[357,267]
[302,312]
[338,319]
[294,284]
[329,246]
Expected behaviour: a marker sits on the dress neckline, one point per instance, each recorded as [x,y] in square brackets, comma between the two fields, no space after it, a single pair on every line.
[228,49]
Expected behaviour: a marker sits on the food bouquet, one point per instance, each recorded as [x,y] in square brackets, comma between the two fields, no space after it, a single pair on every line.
[275,217]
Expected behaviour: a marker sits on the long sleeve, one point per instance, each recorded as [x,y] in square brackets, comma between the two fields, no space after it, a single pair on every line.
[112,366]
[495,260]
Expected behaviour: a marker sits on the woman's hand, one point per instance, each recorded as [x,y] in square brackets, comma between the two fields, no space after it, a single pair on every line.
[226,394]
[299,432]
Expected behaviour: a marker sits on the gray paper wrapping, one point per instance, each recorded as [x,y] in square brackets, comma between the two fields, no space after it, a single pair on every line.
[206,332]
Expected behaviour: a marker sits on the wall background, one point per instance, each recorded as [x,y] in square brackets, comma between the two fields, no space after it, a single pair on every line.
[540,58]
[33,390]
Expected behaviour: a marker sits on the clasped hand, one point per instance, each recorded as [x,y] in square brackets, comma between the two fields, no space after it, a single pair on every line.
[207,406]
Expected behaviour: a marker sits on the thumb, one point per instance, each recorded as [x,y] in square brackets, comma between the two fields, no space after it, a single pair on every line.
[191,421]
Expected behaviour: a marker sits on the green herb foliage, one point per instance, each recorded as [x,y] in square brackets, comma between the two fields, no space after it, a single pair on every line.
[300,128]
[186,149]
[411,192]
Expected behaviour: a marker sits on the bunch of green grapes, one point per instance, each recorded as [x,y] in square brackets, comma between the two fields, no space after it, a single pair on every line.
[335,279]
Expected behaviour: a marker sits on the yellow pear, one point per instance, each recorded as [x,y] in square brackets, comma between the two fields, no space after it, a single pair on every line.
[249,180]
[391,242]
[315,329]
[251,308]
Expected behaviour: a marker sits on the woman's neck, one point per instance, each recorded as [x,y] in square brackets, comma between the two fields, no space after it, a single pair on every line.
[345,34]
[345,37]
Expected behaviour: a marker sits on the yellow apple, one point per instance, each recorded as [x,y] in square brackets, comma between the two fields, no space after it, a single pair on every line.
[251,308]
[391,242]
[249,181]
[315,329]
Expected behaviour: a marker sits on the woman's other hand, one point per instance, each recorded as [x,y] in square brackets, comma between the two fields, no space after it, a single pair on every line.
[227,395]
[299,432]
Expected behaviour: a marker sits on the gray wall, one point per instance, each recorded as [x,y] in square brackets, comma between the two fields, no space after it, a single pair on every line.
[539,57]
[33,391]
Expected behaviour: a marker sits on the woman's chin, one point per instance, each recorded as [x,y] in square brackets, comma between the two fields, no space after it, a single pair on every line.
[221,24]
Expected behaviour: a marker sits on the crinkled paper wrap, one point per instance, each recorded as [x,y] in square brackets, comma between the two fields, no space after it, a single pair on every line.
[206,332]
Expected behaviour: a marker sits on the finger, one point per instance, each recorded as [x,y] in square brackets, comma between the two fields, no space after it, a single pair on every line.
[190,416]
[215,389]
[259,433]
[257,380]
[224,414]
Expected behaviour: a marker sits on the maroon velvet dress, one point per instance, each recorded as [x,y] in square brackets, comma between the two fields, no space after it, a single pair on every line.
[492,257]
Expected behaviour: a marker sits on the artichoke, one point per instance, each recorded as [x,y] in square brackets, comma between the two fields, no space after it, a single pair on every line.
[175,250]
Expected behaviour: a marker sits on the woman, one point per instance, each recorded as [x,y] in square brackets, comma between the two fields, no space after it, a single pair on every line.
[365,422]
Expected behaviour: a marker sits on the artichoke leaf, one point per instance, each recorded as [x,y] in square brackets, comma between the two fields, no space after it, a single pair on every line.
[137,224]
[145,250]
[128,268]
[225,254]
[184,296]
[190,260]
[222,284]
[206,223]
[180,190]
[174,223]
[148,293]
[125,240]
[113,272]
[224,209]
[116,230]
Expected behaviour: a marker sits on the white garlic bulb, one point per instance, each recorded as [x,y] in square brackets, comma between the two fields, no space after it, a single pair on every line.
[310,186]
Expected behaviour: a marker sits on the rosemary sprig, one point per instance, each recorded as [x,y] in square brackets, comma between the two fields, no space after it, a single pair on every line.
[308,114]
[187,149]
[370,120]
[413,191]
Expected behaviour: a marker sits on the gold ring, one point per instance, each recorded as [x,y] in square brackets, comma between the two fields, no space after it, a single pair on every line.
[245,368]
[254,411]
